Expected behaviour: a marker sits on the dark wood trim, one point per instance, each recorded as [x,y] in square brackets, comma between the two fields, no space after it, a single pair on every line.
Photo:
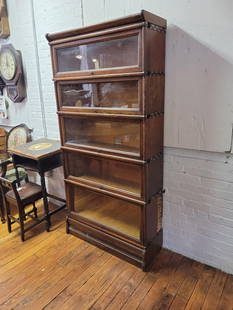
[98,33]
[103,191]
[70,113]
[74,76]
[141,256]
[136,18]
[108,156]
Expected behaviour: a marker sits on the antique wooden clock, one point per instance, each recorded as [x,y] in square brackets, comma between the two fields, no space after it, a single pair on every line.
[11,72]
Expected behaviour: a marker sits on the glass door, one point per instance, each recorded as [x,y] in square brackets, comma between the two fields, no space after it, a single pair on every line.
[111,213]
[120,136]
[116,176]
[110,52]
[101,95]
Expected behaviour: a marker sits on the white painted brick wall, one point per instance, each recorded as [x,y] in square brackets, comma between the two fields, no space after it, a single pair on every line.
[22,37]
[198,206]
[52,16]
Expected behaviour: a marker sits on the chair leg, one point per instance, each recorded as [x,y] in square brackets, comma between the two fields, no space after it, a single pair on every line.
[24,215]
[35,209]
[21,222]
[8,218]
[2,211]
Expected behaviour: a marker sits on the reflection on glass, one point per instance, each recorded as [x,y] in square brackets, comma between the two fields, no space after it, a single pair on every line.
[120,136]
[113,213]
[121,176]
[112,53]
[112,95]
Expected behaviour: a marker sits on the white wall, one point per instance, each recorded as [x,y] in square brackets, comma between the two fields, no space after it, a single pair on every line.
[22,37]
[199,66]
[198,206]
[198,202]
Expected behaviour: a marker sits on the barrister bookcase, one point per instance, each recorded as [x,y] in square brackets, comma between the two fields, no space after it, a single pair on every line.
[109,82]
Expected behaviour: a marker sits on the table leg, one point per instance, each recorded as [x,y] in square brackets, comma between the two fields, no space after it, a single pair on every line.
[45,199]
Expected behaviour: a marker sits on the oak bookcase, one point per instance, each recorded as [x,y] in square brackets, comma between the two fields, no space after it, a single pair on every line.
[109,81]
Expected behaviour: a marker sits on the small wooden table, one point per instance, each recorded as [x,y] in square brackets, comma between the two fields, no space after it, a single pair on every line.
[40,155]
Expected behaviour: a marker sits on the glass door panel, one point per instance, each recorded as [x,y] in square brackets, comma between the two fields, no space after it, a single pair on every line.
[115,95]
[110,174]
[116,214]
[111,53]
[118,136]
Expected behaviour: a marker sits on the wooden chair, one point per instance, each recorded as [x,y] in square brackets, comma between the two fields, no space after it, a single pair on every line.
[3,147]
[22,195]
[3,157]
[19,134]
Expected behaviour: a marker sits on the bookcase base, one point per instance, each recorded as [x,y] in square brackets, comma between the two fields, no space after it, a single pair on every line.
[140,256]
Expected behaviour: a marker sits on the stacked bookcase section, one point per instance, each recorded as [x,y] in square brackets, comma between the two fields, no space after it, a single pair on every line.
[109,81]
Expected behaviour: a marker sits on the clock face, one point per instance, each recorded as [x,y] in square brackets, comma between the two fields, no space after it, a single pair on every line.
[7,65]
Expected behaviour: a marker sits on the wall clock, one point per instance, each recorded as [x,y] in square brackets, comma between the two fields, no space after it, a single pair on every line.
[11,71]
[4,24]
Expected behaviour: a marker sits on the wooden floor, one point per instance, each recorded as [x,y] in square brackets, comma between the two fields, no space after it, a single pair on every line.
[58,271]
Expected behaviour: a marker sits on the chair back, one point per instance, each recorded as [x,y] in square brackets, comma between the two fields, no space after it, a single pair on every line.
[7,185]
[3,147]
[18,135]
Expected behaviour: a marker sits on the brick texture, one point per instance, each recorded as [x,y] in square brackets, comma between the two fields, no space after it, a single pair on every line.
[198,206]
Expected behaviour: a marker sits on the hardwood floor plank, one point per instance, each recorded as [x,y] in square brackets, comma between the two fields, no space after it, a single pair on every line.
[166,274]
[215,291]
[59,271]
[187,287]
[126,291]
[24,261]
[177,280]
[58,279]
[13,250]
[107,297]
[226,299]
[57,239]
[206,277]
[70,290]
[34,271]
[150,278]
[41,271]
[95,286]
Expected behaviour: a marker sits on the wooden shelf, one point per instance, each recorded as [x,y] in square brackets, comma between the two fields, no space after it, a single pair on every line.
[120,184]
[112,213]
